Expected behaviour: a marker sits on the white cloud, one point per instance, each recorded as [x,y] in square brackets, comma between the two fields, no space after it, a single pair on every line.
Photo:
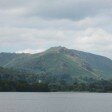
[32,51]
[94,40]
[32,26]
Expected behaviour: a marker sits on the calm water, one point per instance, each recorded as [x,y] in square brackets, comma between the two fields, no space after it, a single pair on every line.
[55,102]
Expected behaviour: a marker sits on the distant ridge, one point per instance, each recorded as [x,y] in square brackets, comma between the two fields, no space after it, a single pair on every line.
[60,62]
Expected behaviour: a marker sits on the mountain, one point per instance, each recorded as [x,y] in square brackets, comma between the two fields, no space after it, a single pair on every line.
[6,58]
[61,63]
[101,64]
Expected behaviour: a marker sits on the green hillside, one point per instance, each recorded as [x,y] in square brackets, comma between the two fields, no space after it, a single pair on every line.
[60,62]
[98,63]
[56,69]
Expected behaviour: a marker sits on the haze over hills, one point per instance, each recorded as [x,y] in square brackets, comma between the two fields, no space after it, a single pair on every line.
[60,62]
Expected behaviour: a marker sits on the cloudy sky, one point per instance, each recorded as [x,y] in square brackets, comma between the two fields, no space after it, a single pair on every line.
[36,25]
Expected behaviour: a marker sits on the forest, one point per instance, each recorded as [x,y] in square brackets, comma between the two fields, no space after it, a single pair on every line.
[22,86]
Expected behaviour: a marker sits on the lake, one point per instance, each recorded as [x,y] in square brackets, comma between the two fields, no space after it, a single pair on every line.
[55,102]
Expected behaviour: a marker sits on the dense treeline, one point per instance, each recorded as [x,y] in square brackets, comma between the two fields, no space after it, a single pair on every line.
[92,85]
[22,86]
[12,80]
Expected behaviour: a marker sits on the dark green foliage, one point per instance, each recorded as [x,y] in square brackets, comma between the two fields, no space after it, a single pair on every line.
[94,86]
[11,80]
[20,86]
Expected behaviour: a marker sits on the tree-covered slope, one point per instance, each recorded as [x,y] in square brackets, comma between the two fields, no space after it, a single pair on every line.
[60,61]
[55,63]
[101,64]
[6,58]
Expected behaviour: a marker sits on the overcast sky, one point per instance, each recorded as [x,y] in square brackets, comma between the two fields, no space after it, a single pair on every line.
[36,25]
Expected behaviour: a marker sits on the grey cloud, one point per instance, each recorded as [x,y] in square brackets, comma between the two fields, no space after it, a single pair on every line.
[93,40]
[32,25]
[59,9]
[9,4]
[71,9]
